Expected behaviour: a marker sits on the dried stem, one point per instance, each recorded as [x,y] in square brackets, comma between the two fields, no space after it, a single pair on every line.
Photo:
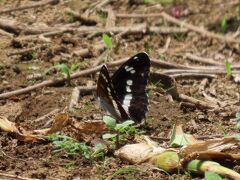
[183,24]
[29,6]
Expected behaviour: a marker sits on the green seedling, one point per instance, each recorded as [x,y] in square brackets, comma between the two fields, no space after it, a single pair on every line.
[65,70]
[118,132]
[72,147]
[147,48]
[98,151]
[69,17]
[107,41]
[223,25]
[123,170]
[237,136]
[238,120]
[162,57]
[69,145]
[34,55]
[212,176]
[238,9]
[180,36]
[228,68]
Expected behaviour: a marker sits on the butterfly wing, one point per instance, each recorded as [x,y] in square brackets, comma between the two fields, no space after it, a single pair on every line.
[129,83]
[107,96]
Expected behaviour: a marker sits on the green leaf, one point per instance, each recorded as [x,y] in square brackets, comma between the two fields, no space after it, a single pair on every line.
[123,170]
[64,69]
[212,176]
[110,122]
[107,41]
[238,120]
[228,68]
[238,9]
[179,138]
[223,25]
[74,67]
[108,136]
[124,125]
[236,136]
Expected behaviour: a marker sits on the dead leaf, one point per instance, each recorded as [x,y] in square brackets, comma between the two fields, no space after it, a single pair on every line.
[140,152]
[60,121]
[217,145]
[10,127]
[89,127]
[179,138]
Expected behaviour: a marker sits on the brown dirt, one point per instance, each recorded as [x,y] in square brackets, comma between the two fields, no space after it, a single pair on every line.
[37,160]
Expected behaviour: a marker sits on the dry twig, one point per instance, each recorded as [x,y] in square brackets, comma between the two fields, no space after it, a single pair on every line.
[206,71]
[84,30]
[16,176]
[50,114]
[28,50]
[183,24]
[29,6]
[92,70]
[199,104]
[192,75]
[202,60]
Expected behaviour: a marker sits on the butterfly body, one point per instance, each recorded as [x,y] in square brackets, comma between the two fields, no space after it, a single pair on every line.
[124,94]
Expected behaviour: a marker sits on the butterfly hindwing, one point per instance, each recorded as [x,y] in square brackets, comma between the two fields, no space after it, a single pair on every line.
[130,82]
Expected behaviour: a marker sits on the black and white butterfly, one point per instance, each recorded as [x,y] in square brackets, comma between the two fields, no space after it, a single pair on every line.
[124,95]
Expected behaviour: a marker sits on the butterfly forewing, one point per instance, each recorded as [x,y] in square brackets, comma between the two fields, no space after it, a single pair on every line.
[107,96]
[130,82]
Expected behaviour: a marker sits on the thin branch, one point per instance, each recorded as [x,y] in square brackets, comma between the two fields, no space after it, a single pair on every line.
[48,115]
[156,63]
[16,176]
[5,33]
[199,104]
[202,60]
[29,6]
[28,50]
[84,30]
[183,24]
[192,76]
[207,71]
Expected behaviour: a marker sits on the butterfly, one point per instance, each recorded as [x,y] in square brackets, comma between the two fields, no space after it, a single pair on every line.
[124,94]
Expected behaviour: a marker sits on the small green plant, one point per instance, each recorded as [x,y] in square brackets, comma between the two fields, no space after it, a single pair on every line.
[223,25]
[180,36]
[34,55]
[228,68]
[107,41]
[118,132]
[65,70]
[238,9]
[98,151]
[162,57]
[238,120]
[123,170]
[69,17]
[72,147]
[212,176]
[147,47]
